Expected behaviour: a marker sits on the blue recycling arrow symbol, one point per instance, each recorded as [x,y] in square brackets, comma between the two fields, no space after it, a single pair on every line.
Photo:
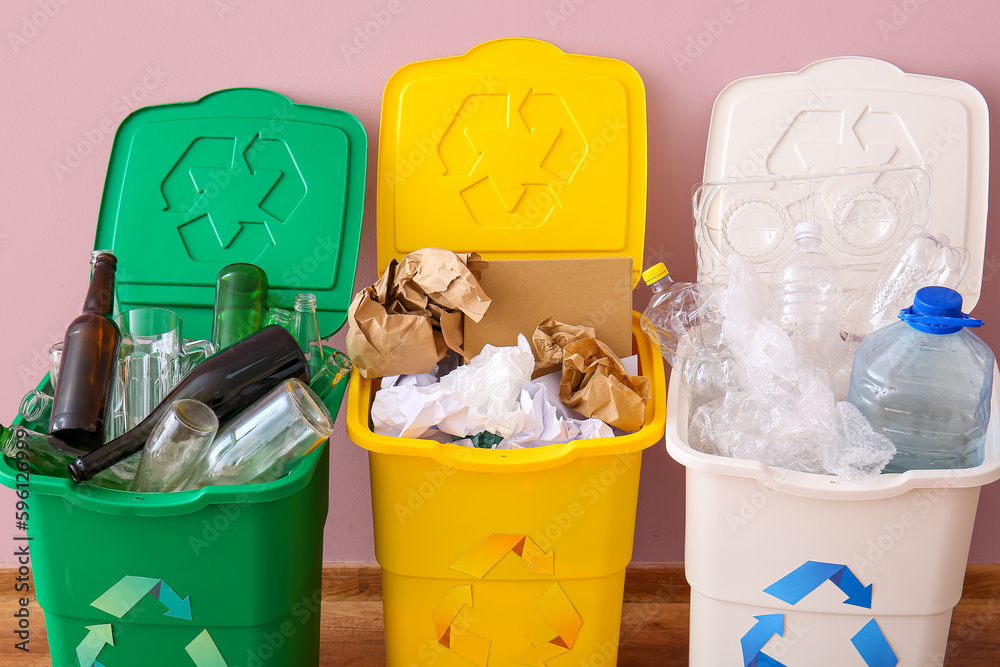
[808,577]
[874,647]
[869,641]
[758,636]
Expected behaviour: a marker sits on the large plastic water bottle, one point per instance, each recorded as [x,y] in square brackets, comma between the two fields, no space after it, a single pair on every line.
[925,383]
[805,294]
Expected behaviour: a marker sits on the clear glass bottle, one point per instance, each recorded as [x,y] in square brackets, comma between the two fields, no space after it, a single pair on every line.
[283,318]
[266,439]
[926,383]
[305,328]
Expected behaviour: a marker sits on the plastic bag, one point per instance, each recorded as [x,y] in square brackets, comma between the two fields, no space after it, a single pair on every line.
[790,420]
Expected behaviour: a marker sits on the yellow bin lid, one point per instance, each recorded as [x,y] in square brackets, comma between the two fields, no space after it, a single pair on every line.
[515,150]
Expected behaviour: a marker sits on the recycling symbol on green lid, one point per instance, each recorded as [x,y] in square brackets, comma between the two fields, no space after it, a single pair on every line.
[233,197]
[126,594]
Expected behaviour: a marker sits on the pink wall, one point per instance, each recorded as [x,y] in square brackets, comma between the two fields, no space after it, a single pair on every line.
[74,75]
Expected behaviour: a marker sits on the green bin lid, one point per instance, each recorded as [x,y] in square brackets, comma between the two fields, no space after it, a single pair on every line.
[241,175]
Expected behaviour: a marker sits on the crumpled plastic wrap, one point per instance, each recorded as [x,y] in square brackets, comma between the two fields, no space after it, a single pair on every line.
[869,452]
[775,407]
[413,315]
[492,393]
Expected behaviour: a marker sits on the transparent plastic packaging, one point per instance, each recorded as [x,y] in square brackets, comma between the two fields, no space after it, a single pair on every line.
[917,260]
[767,403]
[789,419]
[863,212]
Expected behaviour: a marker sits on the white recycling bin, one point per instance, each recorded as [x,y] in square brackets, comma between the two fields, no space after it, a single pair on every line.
[795,569]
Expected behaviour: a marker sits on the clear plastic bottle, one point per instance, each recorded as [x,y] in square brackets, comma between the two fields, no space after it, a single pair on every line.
[805,295]
[925,383]
[675,314]
[685,325]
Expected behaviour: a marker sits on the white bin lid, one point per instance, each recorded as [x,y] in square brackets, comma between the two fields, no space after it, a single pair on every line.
[860,112]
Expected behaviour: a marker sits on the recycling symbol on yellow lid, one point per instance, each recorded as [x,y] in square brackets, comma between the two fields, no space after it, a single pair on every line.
[522,149]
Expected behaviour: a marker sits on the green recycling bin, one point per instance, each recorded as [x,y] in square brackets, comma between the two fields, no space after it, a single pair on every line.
[226,575]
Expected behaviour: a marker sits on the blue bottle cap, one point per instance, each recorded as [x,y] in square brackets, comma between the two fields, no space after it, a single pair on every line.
[937,310]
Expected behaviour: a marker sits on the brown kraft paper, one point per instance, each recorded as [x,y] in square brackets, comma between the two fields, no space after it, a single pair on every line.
[595,384]
[408,320]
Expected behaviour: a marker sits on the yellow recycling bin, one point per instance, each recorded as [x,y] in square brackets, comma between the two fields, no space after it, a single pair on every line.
[515,150]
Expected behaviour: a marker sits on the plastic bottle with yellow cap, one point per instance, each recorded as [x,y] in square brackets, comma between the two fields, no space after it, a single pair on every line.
[674,312]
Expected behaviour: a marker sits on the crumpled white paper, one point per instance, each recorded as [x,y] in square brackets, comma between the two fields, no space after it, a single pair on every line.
[494,393]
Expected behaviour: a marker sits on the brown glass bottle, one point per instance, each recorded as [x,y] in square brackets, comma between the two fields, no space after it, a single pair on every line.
[90,350]
[228,382]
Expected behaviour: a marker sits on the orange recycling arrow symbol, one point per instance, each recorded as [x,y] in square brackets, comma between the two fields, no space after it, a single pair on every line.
[461,641]
[563,617]
[485,555]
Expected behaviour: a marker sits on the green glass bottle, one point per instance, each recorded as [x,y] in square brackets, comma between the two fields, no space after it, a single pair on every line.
[335,370]
[45,455]
[240,304]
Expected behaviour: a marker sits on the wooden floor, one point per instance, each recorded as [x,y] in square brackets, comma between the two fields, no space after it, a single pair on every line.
[654,620]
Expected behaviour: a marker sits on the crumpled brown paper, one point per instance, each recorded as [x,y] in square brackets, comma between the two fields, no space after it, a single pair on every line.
[408,320]
[595,384]
[549,339]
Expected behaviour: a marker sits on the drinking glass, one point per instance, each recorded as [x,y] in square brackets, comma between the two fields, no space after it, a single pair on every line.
[55,360]
[152,360]
[175,446]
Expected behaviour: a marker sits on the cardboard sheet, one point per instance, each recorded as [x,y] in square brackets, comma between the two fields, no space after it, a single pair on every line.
[591,292]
